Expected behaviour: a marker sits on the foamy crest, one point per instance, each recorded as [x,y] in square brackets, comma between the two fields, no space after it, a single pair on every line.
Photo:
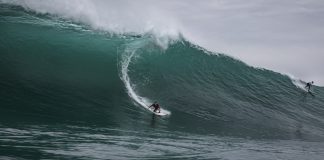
[118,17]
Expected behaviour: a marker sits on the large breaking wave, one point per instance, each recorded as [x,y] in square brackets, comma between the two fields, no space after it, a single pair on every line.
[98,75]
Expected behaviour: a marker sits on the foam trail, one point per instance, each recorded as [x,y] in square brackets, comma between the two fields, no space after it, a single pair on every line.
[297,82]
[126,60]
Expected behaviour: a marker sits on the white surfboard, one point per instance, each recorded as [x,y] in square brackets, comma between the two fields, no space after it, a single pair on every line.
[161,113]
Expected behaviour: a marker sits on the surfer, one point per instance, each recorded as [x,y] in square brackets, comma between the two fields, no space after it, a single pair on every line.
[308,85]
[156,107]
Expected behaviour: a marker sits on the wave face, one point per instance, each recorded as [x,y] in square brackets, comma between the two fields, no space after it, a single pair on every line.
[71,92]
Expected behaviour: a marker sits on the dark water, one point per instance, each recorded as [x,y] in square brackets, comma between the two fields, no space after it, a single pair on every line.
[63,95]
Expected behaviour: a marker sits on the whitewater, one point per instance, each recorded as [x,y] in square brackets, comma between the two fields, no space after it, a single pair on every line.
[77,76]
[127,57]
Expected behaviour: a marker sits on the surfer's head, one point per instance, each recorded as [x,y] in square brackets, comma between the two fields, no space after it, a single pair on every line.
[312,82]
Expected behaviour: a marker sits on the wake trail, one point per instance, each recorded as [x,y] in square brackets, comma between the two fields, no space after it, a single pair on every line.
[298,83]
[127,57]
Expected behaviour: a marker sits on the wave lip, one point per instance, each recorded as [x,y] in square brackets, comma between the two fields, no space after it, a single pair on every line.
[101,15]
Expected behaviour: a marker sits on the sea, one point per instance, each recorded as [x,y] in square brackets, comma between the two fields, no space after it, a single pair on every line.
[69,91]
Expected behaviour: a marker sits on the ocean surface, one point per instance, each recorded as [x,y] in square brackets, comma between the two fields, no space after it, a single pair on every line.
[68,91]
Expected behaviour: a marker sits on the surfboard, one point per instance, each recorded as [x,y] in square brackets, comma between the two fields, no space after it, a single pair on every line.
[161,113]
[311,93]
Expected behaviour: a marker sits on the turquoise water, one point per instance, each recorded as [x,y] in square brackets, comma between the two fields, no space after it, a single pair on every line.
[69,92]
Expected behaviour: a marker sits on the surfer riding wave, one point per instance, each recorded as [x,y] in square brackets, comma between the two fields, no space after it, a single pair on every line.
[127,55]
[156,107]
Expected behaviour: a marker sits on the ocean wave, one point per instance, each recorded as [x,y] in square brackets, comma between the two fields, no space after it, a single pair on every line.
[93,78]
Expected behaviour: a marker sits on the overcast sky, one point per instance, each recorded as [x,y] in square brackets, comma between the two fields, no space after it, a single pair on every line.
[286,36]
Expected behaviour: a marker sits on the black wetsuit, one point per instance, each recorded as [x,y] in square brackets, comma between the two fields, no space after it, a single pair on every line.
[308,85]
[156,107]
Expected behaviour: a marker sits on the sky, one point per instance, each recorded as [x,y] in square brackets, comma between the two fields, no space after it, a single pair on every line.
[285,36]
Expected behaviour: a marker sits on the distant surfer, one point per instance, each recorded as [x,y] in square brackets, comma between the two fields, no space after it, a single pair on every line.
[156,107]
[308,85]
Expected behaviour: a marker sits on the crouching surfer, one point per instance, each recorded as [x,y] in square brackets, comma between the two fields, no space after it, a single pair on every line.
[156,107]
